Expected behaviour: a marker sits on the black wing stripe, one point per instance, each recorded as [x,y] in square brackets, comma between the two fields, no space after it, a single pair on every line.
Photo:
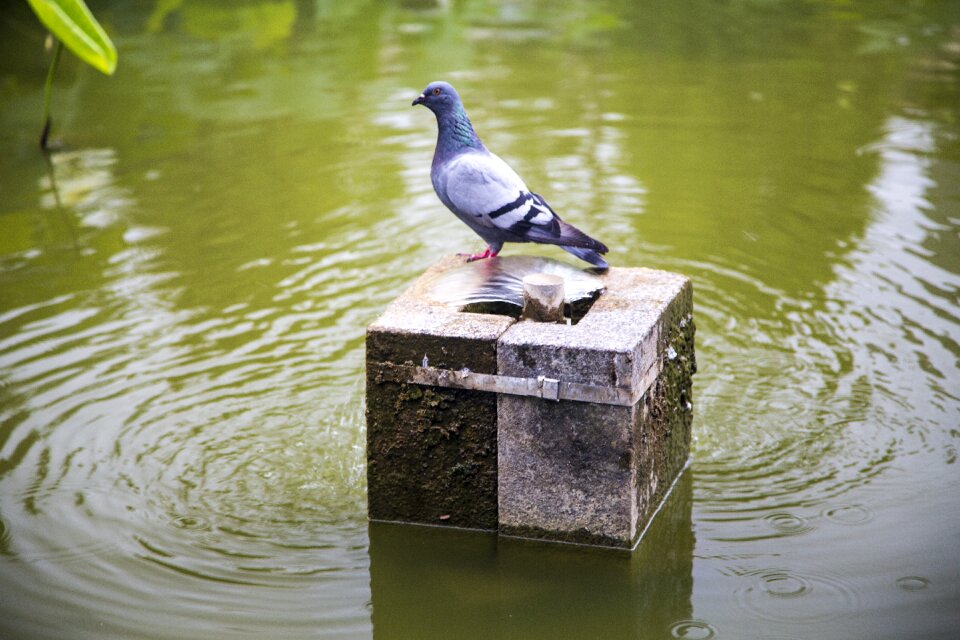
[533,213]
[507,208]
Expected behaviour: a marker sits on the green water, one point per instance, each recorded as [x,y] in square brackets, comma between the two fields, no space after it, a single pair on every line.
[184,291]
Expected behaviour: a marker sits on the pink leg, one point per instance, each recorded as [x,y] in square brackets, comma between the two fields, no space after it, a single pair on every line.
[480,256]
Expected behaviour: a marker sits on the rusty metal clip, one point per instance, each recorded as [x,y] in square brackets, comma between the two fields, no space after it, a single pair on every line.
[549,388]
[539,387]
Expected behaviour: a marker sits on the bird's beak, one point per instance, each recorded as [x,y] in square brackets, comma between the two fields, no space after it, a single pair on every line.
[419,100]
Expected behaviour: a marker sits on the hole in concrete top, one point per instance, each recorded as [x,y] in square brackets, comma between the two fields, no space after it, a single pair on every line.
[495,286]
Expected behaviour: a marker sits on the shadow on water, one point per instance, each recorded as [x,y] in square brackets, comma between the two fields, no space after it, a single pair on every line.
[433,583]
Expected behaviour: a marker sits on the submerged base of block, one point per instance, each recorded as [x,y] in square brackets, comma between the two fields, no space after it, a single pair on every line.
[424,582]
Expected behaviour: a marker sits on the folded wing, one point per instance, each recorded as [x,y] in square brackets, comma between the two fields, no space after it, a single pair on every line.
[485,189]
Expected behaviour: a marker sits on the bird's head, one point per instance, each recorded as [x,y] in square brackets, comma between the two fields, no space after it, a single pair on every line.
[438,97]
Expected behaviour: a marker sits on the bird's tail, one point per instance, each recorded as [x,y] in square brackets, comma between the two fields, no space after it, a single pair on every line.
[570,236]
[589,255]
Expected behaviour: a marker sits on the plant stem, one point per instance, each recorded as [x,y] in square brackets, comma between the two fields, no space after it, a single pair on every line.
[47,90]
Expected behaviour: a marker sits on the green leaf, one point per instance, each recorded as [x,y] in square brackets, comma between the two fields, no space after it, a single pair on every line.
[71,22]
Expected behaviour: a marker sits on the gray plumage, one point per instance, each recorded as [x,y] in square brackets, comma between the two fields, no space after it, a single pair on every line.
[486,194]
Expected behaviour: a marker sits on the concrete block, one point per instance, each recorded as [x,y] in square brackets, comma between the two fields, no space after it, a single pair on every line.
[446,454]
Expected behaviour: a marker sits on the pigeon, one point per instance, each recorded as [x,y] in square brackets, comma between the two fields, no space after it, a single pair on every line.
[486,194]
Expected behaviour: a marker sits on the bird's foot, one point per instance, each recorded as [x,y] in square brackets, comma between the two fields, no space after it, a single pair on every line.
[481,256]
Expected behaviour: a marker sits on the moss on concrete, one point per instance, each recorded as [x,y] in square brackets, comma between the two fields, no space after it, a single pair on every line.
[432,455]
[664,421]
[431,452]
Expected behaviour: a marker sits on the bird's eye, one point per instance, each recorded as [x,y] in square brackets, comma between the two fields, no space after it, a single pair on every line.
[436,91]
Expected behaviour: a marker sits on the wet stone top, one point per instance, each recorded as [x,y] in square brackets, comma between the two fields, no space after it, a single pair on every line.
[416,313]
[616,343]
[625,314]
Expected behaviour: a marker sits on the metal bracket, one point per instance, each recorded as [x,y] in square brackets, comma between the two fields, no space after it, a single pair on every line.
[549,388]
[539,387]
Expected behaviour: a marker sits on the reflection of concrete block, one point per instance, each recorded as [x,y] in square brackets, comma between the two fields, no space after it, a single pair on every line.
[444,420]
[432,583]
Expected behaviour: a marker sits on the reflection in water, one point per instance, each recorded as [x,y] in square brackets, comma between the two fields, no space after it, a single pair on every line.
[143,438]
[501,280]
[432,583]
[258,25]
[83,182]
[882,410]
[846,345]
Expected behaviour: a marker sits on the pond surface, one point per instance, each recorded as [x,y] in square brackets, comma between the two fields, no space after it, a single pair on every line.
[184,290]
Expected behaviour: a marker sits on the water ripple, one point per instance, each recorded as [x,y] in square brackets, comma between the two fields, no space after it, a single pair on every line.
[781,595]
[848,515]
[826,367]
[4,537]
[217,445]
[693,630]
[788,524]
[182,323]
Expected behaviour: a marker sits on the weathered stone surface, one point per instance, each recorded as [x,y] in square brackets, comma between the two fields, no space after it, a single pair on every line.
[431,452]
[412,326]
[565,471]
[662,429]
[432,456]
[591,473]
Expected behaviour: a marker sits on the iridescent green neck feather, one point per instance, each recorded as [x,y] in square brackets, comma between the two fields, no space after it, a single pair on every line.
[455,133]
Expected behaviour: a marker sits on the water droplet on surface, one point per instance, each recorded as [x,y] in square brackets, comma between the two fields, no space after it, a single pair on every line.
[189,522]
[787,523]
[913,583]
[784,585]
[848,515]
[671,353]
[693,630]
[789,596]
